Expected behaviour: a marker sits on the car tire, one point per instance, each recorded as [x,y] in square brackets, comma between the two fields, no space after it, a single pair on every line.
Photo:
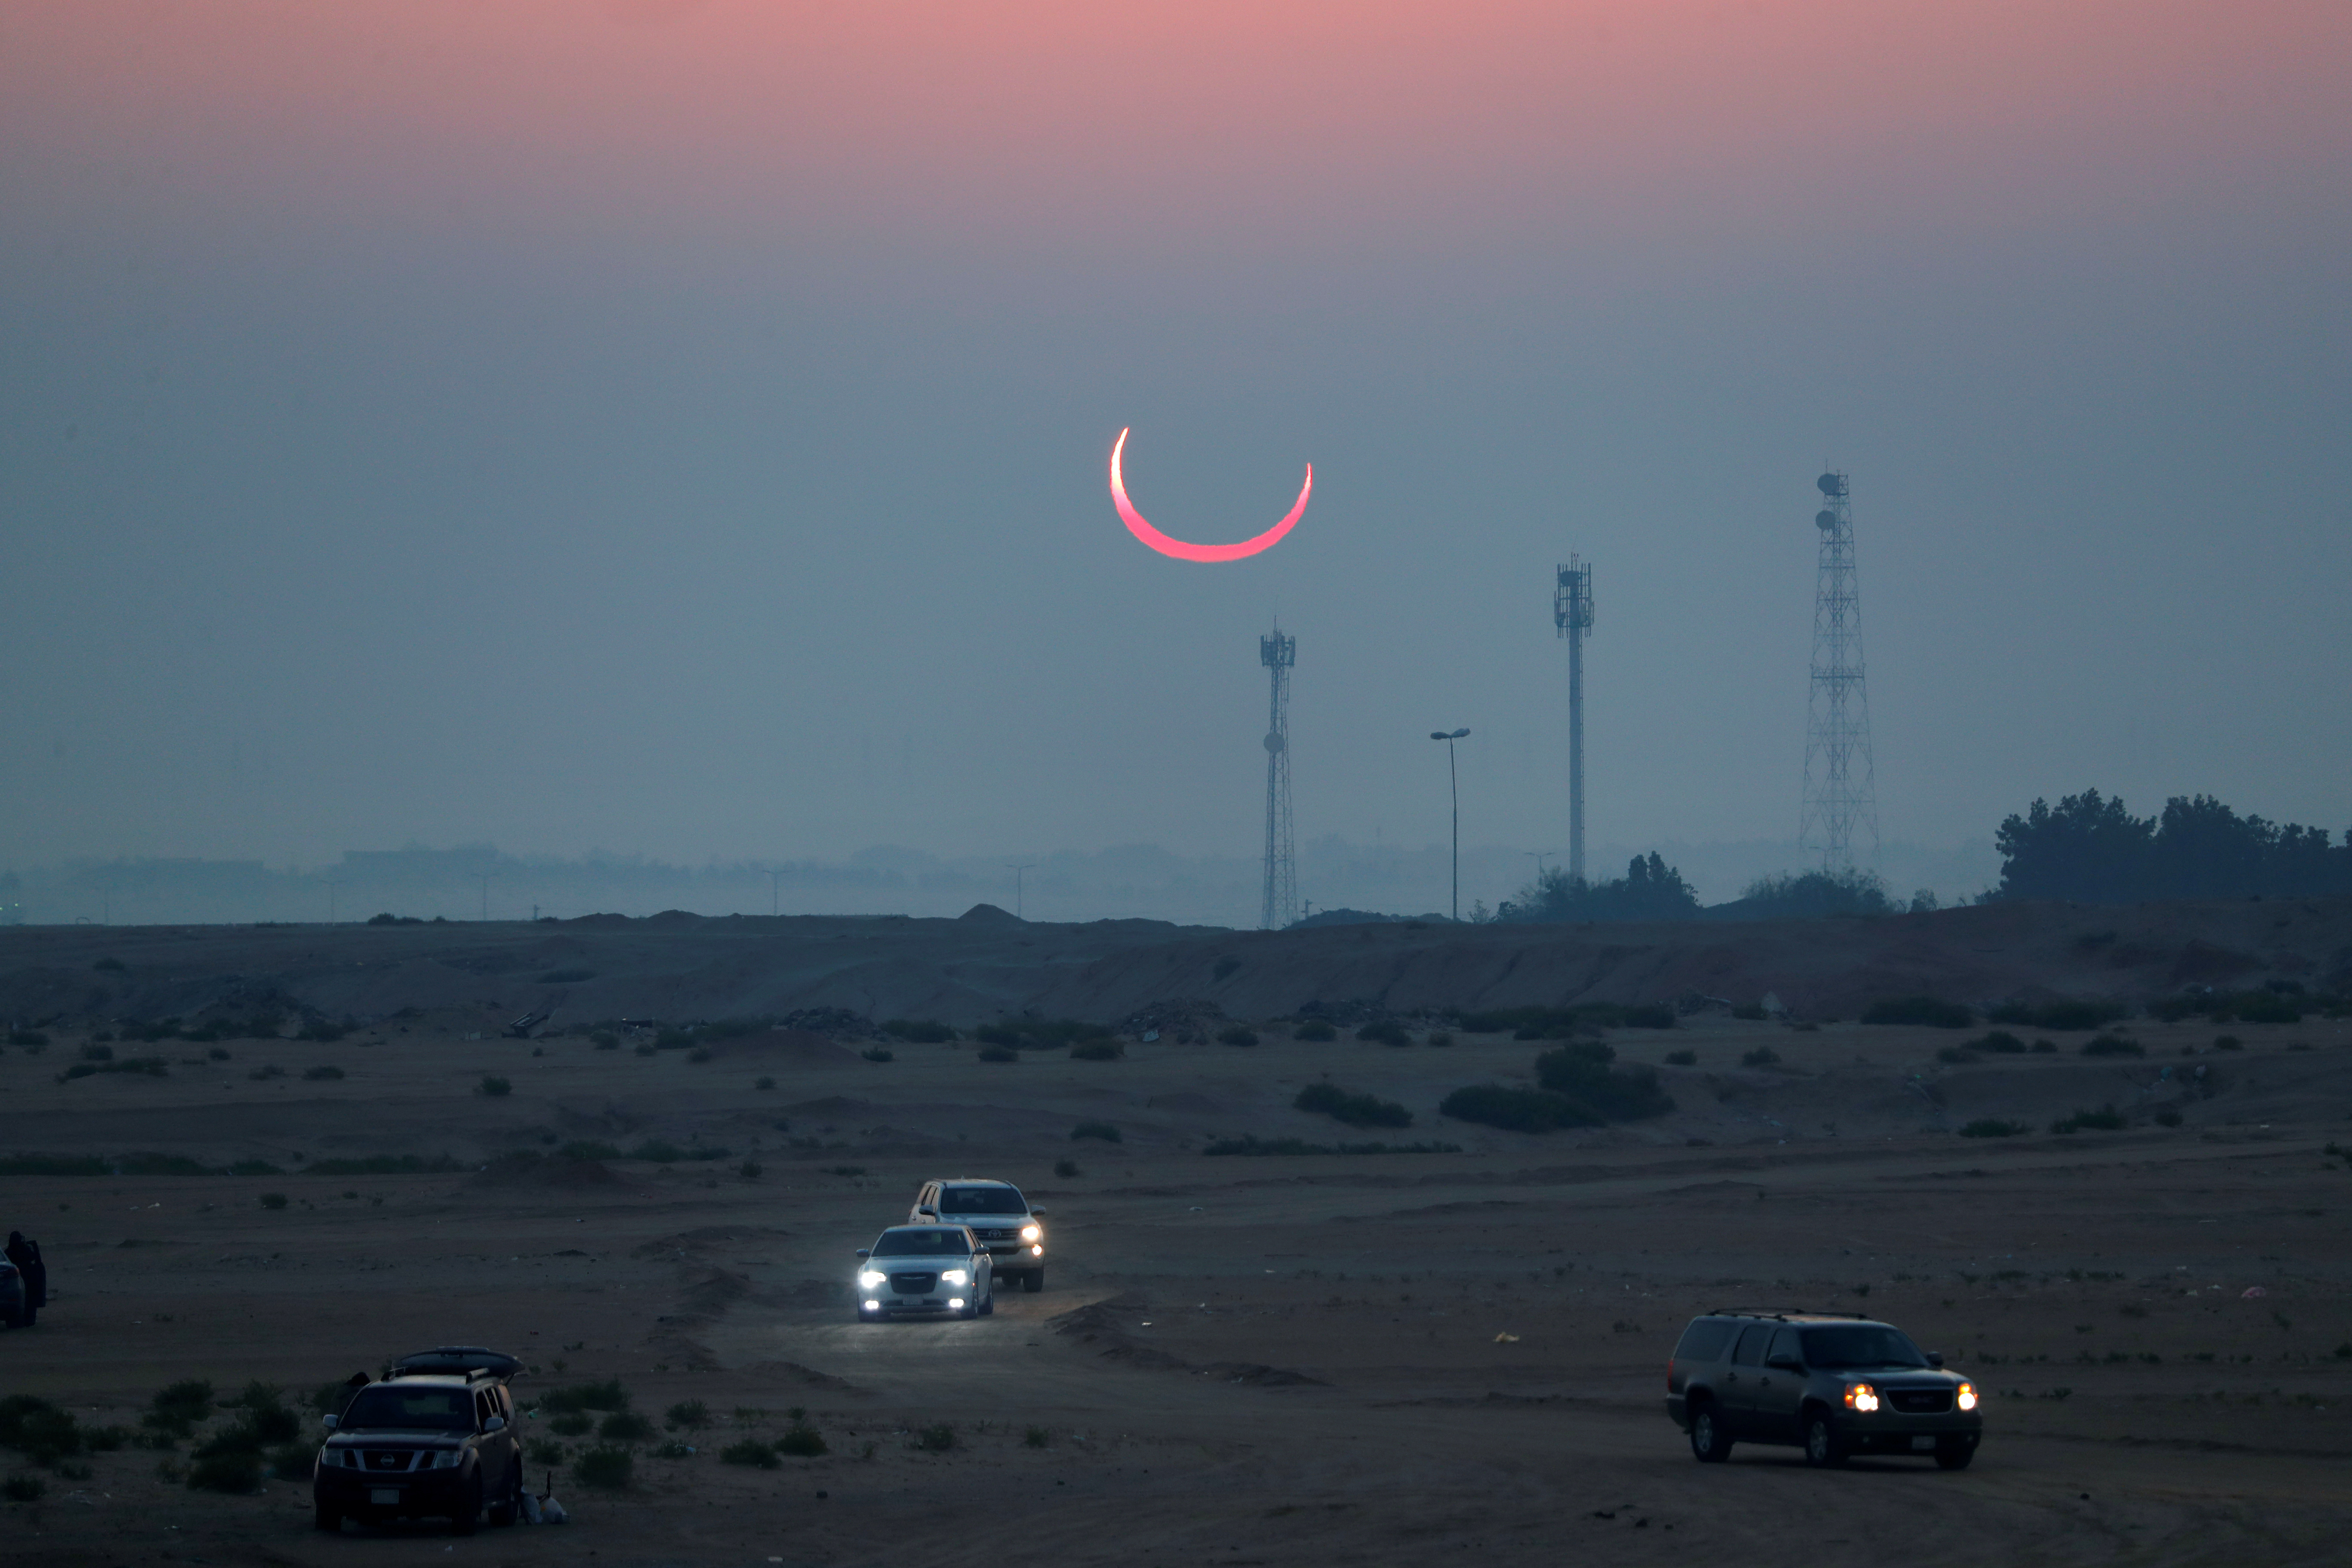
[508,1507]
[469,1509]
[988,1302]
[1710,1444]
[1034,1281]
[1824,1450]
[1954,1456]
[326,1517]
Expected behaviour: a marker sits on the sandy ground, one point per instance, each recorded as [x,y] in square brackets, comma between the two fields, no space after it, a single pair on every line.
[1236,1360]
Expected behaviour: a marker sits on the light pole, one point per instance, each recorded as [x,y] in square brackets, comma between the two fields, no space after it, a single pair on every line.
[773,875]
[1453,778]
[332,885]
[1016,871]
[484,878]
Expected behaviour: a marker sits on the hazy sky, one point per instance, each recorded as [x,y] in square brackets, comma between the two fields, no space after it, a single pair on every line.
[681,427]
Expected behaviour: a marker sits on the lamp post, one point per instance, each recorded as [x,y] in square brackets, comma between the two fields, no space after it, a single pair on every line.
[773,875]
[1017,872]
[1453,778]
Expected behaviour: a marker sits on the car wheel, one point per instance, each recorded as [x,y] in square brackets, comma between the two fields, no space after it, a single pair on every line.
[1823,1448]
[1954,1456]
[988,1302]
[326,1517]
[508,1507]
[469,1509]
[1709,1443]
[1034,1281]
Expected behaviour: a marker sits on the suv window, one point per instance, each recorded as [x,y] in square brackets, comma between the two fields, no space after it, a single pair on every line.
[1751,1345]
[1863,1345]
[981,1200]
[1704,1340]
[1784,1342]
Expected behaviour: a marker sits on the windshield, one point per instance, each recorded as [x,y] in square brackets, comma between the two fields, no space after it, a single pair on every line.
[925,1241]
[425,1409]
[1838,1350]
[982,1200]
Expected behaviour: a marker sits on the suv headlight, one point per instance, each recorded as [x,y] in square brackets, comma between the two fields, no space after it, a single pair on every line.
[957,1276]
[1861,1397]
[449,1459]
[871,1279]
[1967,1398]
[1032,1232]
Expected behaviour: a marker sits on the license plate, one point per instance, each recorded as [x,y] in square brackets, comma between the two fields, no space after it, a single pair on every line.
[385,1497]
[1921,1445]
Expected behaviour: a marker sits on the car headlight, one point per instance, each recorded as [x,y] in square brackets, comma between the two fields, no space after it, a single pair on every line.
[957,1277]
[872,1279]
[1033,1233]
[1967,1396]
[1861,1397]
[449,1459]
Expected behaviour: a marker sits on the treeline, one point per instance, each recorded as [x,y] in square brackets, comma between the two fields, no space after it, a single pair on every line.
[2090,850]
[1652,891]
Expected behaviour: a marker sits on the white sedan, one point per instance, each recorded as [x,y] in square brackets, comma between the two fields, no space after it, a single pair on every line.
[926,1269]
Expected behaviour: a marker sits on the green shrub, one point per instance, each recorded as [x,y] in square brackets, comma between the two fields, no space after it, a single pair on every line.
[239,1471]
[605,1469]
[1315,1029]
[1933,1012]
[1037,1438]
[1582,1073]
[1097,1051]
[572,1424]
[751,1451]
[750,1170]
[1761,1057]
[689,1413]
[801,1442]
[1990,1127]
[919,1031]
[179,1407]
[1516,1109]
[878,1054]
[1682,1058]
[323,1073]
[494,1086]
[2105,1119]
[1384,1032]
[671,1449]
[1354,1110]
[1999,1041]
[606,1395]
[625,1427]
[999,1053]
[42,1432]
[1235,1035]
[935,1439]
[2114,1045]
[1104,1130]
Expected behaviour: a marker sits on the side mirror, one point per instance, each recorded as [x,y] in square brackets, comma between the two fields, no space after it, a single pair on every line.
[495,1424]
[1785,1363]
[1037,1213]
[330,1422]
[1935,1358]
[865,1252]
[926,1208]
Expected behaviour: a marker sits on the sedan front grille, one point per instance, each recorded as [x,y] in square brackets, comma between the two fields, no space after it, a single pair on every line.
[1920,1400]
[913,1284]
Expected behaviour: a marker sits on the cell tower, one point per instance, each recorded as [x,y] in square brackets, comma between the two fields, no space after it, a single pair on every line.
[1278,653]
[1571,613]
[1839,794]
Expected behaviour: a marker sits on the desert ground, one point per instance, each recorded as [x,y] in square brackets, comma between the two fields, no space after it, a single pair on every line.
[1237,1359]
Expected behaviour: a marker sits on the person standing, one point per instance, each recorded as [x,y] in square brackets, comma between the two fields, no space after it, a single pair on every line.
[25,1254]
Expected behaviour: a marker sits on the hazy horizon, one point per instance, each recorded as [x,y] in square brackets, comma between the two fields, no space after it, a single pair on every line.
[683,426]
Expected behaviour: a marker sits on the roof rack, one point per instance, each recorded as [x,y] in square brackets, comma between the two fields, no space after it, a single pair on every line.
[1785,1313]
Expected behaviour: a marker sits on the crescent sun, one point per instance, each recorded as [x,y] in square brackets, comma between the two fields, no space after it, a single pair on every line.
[1178,548]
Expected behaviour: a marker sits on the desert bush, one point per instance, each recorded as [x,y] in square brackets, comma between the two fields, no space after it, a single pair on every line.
[1097,1051]
[2228,1042]
[625,1427]
[671,1449]
[919,1031]
[495,1086]
[1516,1109]
[1386,1031]
[1991,1126]
[1682,1058]
[239,1471]
[1441,1039]
[1315,1029]
[935,1439]
[2067,1014]
[42,1432]
[23,1488]
[750,1170]
[606,1041]
[324,1072]
[1067,1168]
[1354,1110]
[177,1408]
[751,1451]
[216,1053]
[999,1053]
[688,1413]
[699,1054]
[801,1442]
[606,1395]
[1582,1073]
[1037,1438]
[1933,1012]
[1236,1034]
[570,1425]
[2114,1045]
[273,1200]
[2104,1120]
[1997,1040]
[1102,1130]
[1761,1057]
[605,1469]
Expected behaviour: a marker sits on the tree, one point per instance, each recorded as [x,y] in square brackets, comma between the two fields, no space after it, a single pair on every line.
[1650,891]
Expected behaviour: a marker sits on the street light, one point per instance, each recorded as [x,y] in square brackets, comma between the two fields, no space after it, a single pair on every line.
[1454,779]
[1017,873]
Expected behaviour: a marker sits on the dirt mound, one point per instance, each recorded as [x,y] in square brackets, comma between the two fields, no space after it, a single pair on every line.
[989,914]
[559,1173]
[710,1290]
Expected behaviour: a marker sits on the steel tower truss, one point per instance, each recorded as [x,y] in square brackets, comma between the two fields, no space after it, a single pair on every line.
[1278,653]
[1841,793]
[1572,613]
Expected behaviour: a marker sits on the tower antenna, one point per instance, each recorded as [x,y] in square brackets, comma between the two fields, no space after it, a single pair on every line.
[1278,653]
[1571,613]
[1841,794]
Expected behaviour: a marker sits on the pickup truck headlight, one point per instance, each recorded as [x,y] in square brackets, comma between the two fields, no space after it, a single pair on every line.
[872,1279]
[957,1276]
[1861,1397]
[1032,1232]
[1967,1398]
[449,1459]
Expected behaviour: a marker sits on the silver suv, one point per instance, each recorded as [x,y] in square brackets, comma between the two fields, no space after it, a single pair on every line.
[1003,1220]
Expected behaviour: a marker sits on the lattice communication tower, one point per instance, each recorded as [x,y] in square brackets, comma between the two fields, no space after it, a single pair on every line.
[1571,613]
[1841,794]
[1278,653]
